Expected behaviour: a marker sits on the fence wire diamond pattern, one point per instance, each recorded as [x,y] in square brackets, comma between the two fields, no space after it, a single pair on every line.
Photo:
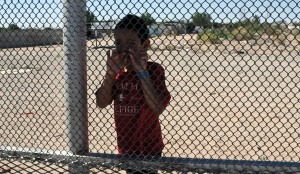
[231,68]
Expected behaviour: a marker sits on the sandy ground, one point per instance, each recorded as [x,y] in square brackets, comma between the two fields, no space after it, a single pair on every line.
[231,101]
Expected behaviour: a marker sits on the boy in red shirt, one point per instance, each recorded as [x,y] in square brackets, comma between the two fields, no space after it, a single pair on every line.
[137,88]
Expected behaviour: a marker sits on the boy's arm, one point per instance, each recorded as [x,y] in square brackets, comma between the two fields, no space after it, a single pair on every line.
[114,64]
[105,92]
[152,97]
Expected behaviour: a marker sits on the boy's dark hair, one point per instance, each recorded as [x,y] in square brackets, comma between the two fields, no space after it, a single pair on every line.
[134,23]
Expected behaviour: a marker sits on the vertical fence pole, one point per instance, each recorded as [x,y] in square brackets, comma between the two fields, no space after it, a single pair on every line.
[75,76]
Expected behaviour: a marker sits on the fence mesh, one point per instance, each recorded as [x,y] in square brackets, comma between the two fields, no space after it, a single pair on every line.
[231,68]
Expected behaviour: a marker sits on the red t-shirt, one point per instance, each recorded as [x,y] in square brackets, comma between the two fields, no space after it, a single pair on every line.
[138,128]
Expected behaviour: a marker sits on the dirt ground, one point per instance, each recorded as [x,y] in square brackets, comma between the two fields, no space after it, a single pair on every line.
[236,100]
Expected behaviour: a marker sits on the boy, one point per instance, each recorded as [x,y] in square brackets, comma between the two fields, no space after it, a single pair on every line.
[137,88]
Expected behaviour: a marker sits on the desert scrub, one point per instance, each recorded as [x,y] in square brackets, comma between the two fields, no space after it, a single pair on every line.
[269,30]
[241,33]
[278,32]
[170,47]
[210,36]
[287,31]
[280,36]
[295,32]
[280,39]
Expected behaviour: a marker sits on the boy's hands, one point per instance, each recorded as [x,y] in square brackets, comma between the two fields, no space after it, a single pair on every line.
[138,59]
[115,62]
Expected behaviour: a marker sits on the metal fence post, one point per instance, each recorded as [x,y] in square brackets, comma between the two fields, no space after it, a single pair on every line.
[75,77]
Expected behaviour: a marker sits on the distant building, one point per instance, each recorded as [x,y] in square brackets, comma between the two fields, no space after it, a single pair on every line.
[156,29]
[176,27]
[103,28]
[166,28]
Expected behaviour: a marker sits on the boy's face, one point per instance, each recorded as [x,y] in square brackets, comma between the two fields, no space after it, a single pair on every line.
[127,39]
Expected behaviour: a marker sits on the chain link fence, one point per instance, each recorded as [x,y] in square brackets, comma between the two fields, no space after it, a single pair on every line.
[231,68]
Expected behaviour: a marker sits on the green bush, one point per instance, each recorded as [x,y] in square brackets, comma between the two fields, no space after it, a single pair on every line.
[248,29]
[242,33]
[278,32]
[211,36]
[269,30]
[222,33]
[13,27]
[287,31]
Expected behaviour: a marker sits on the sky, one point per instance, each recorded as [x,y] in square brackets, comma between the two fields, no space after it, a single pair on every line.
[48,13]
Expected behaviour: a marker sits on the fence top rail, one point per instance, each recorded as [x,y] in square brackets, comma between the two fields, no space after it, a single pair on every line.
[92,160]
